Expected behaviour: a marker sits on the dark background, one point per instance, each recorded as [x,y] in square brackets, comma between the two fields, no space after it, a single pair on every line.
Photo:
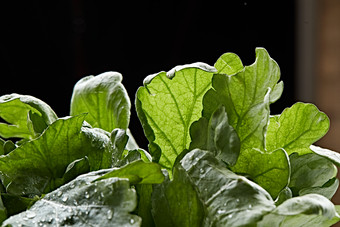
[47,46]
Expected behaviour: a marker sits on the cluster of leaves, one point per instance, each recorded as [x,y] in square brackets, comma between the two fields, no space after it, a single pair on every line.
[216,157]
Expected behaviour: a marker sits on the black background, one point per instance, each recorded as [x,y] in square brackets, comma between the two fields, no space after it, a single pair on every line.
[47,46]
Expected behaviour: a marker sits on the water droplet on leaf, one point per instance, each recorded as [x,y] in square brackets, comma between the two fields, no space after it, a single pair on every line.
[30,214]
[109,214]
[64,199]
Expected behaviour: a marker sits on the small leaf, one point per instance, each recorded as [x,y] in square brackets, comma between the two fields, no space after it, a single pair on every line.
[105,100]
[15,108]
[138,172]
[296,129]
[35,123]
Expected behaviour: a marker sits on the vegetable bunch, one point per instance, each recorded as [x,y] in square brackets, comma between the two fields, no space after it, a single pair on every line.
[216,156]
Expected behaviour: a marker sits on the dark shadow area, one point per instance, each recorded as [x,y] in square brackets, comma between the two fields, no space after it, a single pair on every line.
[47,46]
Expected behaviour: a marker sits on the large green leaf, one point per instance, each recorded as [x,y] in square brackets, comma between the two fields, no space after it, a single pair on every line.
[108,202]
[105,100]
[228,199]
[312,173]
[246,96]
[15,109]
[39,166]
[308,210]
[168,103]
[296,129]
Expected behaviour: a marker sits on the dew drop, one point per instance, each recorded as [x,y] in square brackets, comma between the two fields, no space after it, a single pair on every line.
[230,216]
[201,171]
[64,199]
[30,214]
[102,194]
[59,193]
[87,195]
[220,211]
[72,185]
[109,214]
[250,206]
[132,221]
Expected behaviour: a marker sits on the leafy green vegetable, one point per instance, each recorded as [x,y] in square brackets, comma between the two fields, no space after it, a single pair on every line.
[105,100]
[168,104]
[216,157]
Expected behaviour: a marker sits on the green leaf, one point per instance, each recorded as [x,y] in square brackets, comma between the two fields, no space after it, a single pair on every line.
[246,96]
[228,63]
[144,192]
[108,202]
[105,100]
[15,108]
[270,170]
[296,129]
[75,168]
[228,199]
[35,123]
[326,153]
[175,203]
[38,166]
[312,173]
[138,172]
[2,144]
[217,136]
[168,104]
[16,204]
[307,210]
[8,146]
[3,211]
